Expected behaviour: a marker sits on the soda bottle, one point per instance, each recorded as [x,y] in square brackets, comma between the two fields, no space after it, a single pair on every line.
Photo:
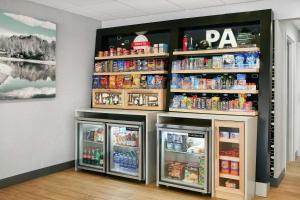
[84,155]
[93,156]
[97,157]
[185,43]
[101,159]
[88,156]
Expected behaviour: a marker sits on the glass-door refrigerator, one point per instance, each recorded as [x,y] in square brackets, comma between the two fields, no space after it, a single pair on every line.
[126,150]
[91,146]
[183,157]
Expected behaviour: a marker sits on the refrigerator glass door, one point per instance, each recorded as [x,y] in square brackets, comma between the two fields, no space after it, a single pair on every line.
[183,158]
[125,150]
[91,146]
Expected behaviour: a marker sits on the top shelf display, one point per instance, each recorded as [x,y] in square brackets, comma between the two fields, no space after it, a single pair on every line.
[147,55]
[215,51]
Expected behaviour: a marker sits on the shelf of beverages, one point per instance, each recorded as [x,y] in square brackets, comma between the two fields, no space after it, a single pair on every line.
[216,51]
[216,71]
[223,91]
[125,161]
[93,157]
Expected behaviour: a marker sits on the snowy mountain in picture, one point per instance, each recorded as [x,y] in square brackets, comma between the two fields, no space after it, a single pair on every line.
[27,57]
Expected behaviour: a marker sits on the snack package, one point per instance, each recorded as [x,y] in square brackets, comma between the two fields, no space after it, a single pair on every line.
[239,60]
[151,64]
[217,62]
[139,66]
[96,82]
[176,100]
[99,67]
[115,66]
[127,81]
[252,59]
[112,82]
[183,102]
[110,66]
[151,81]
[160,64]
[104,82]
[143,82]
[119,81]
[186,83]
[133,65]
[136,78]
[127,64]
[144,65]
[121,65]
[175,81]
[160,82]
[228,60]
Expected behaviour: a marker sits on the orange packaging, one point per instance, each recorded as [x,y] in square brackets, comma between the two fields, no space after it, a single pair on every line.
[225,165]
[234,168]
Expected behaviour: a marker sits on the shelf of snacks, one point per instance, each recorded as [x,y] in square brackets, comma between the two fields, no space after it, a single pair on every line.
[216,51]
[141,55]
[107,98]
[216,91]
[230,158]
[241,113]
[213,105]
[132,72]
[146,99]
[216,71]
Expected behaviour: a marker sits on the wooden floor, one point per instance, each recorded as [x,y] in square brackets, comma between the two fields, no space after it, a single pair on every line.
[70,185]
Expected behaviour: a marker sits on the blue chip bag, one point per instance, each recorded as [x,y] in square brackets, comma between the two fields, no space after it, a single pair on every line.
[151,81]
[240,60]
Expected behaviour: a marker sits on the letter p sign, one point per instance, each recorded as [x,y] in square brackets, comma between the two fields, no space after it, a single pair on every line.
[212,36]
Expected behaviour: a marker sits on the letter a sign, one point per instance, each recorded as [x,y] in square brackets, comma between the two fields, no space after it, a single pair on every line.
[228,38]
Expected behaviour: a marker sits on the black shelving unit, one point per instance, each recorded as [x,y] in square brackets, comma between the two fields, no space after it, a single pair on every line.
[172,33]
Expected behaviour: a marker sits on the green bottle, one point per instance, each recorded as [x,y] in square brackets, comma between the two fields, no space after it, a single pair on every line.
[97,157]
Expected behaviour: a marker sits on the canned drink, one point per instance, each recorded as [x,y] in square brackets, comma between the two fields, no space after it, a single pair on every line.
[126,52]
[133,51]
[106,53]
[208,104]
[119,51]
[112,51]
[100,53]
[155,48]
[141,51]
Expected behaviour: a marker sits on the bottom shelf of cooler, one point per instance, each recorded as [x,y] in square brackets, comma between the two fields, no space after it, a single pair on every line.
[124,172]
[183,183]
[218,112]
[92,167]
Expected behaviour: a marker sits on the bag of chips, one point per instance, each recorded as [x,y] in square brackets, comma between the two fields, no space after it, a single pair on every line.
[136,78]
[119,81]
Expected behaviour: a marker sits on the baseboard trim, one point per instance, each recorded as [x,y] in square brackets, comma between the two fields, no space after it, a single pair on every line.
[35,174]
[275,182]
[262,189]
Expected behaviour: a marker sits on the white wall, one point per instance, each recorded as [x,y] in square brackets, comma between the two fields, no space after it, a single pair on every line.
[282,10]
[40,133]
[282,30]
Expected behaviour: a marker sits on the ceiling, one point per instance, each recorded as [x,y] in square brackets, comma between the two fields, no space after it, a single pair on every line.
[116,9]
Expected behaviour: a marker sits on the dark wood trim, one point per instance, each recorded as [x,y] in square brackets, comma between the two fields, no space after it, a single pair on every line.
[275,182]
[35,174]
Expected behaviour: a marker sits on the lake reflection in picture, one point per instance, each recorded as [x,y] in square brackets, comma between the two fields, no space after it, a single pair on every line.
[27,57]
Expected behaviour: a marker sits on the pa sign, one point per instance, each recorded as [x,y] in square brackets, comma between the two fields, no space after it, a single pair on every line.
[227,38]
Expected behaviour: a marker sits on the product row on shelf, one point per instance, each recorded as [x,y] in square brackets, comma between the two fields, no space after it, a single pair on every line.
[237,60]
[152,99]
[193,173]
[217,82]
[215,103]
[130,65]
[121,51]
[92,156]
[129,81]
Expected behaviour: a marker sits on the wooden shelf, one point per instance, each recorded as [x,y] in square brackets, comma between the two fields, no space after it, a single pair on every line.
[236,141]
[216,91]
[215,51]
[239,113]
[217,71]
[152,55]
[229,176]
[235,159]
[133,72]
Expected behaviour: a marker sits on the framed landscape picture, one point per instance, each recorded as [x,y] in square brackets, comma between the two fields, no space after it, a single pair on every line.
[27,57]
